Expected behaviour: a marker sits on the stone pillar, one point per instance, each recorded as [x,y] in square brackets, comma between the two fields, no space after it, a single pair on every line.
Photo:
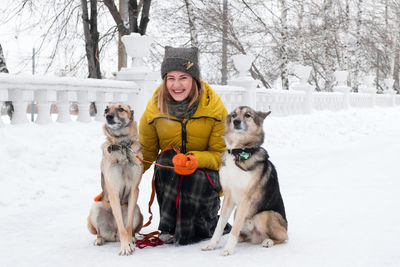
[242,64]
[138,47]
[20,99]
[303,73]
[341,78]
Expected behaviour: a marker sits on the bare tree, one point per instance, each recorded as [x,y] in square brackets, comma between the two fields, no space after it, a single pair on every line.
[192,26]
[283,44]
[358,45]
[91,37]
[300,32]
[224,65]
[396,48]
[329,65]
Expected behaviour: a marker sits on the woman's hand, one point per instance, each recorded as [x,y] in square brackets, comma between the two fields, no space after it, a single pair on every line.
[184,164]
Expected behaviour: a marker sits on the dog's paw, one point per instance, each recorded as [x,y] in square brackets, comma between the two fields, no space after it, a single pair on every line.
[267,243]
[226,252]
[99,241]
[127,249]
[209,246]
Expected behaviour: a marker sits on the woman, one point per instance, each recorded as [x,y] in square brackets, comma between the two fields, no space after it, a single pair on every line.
[187,114]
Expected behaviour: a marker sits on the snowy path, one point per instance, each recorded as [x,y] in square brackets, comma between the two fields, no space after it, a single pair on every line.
[338,173]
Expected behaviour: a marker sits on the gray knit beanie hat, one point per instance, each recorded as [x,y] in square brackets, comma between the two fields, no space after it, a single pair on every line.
[181,59]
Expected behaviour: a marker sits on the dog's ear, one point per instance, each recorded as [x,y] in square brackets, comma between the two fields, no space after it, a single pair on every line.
[228,118]
[132,112]
[263,115]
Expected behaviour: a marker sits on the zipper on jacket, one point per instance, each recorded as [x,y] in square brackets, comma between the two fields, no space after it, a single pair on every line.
[184,136]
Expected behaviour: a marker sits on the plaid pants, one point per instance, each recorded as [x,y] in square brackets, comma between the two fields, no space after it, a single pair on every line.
[188,204]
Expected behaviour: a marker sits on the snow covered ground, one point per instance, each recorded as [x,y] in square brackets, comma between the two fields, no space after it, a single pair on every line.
[339,176]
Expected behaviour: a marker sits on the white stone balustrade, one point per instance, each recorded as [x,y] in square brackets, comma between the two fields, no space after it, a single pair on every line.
[63,91]
[300,99]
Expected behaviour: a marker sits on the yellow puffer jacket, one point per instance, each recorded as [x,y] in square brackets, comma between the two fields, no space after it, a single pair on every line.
[203,131]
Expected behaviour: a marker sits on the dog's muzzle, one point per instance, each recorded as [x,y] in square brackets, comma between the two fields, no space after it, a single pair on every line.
[110,118]
[237,124]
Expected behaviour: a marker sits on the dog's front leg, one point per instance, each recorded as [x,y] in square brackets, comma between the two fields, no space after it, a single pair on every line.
[112,175]
[241,213]
[127,247]
[226,210]
[131,209]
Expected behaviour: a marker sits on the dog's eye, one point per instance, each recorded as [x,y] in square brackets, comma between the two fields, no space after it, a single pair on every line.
[234,115]
[247,115]
[120,109]
[106,110]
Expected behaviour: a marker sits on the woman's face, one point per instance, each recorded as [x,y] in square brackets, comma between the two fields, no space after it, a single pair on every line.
[179,85]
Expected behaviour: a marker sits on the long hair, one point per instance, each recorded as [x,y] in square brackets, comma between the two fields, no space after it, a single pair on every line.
[163,98]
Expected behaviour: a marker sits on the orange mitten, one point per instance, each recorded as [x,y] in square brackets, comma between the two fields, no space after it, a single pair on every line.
[184,164]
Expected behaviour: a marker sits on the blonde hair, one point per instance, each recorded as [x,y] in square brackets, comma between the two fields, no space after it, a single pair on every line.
[163,98]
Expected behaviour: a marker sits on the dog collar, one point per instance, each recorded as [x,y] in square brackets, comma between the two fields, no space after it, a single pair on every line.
[243,153]
[120,146]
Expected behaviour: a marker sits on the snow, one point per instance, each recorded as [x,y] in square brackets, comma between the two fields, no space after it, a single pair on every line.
[338,174]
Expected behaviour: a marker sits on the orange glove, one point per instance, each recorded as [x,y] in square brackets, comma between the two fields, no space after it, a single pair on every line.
[184,164]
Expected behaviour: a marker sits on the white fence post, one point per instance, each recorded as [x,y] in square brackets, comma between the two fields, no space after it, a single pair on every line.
[243,64]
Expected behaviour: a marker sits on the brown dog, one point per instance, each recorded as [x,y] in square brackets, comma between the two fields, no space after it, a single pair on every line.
[117,216]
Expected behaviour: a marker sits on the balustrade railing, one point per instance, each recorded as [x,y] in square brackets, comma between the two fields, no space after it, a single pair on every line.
[62,91]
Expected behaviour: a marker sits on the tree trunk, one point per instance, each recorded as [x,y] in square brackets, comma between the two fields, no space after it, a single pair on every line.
[144,18]
[358,46]
[224,59]
[346,34]
[91,38]
[396,60]
[3,66]
[300,34]
[124,13]
[133,15]
[192,26]
[283,51]
[329,79]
